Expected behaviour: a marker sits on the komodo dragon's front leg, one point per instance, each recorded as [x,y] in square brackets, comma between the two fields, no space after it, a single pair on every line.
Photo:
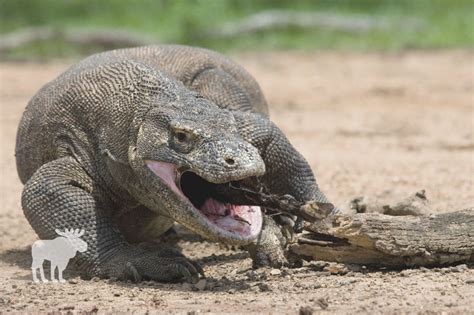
[287,173]
[61,195]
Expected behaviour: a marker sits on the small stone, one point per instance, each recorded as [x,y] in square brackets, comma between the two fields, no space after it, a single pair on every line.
[323,303]
[306,310]
[264,287]
[470,281]
[117,294]
[73,281]
[275,272]
[354,268]
[68,308]
[322,273]
[461,268]
[346,282]
[201,284]
[406,272]
[286,271]
[336,269]
[318,265]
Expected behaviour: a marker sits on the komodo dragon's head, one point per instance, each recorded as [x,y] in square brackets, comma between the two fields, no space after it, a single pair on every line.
[184,148]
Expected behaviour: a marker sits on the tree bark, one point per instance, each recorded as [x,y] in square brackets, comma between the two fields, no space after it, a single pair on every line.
[376,239]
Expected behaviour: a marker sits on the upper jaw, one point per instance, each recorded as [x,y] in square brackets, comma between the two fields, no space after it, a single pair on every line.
[221,177]
[227,159]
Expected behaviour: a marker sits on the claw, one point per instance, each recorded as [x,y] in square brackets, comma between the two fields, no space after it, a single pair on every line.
[299,225]
[191,277]
[132,272]
[198,268]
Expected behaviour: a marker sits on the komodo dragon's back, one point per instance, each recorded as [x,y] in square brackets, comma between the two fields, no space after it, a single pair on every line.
[196,68]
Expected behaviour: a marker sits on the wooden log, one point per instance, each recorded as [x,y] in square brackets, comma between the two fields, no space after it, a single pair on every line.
[376,239]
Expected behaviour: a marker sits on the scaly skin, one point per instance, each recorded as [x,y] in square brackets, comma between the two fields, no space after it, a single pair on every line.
[85,139]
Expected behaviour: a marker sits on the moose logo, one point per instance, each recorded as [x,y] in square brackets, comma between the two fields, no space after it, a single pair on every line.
[58,252]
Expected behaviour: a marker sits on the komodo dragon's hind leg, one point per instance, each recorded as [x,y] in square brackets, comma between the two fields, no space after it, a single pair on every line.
[61,195]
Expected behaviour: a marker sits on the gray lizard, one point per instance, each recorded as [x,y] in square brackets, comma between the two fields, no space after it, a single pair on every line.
[127,142]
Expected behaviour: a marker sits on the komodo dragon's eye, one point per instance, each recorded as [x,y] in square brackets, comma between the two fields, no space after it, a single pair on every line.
[181,136]
[182,140]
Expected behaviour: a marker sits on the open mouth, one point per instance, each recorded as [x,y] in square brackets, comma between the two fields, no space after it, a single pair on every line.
[243,221]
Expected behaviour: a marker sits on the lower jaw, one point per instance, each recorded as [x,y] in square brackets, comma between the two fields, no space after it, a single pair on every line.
[199,223]
[242,220]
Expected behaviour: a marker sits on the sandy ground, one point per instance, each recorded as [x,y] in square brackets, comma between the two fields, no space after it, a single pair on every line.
[366,123]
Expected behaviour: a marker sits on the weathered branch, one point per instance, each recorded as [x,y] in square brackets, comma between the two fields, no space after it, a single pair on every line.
[278,19]
[106,38]
[393,241]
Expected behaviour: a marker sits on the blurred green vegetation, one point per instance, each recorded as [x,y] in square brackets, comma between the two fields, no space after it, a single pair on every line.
[445,23]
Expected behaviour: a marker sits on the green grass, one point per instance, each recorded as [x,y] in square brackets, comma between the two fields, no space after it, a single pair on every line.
[446,23]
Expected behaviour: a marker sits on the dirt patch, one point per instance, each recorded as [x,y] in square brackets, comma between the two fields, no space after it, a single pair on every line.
[365,122]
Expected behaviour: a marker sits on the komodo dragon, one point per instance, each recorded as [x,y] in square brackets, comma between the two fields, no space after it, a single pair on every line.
[127,142]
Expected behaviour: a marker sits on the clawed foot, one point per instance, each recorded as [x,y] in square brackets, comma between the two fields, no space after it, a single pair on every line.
[268,249]
[137,264]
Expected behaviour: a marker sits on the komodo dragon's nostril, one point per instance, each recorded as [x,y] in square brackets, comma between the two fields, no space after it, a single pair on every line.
[230,161]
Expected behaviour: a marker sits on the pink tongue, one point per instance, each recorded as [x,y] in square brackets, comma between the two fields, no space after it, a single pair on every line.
[214,207]
[227,216]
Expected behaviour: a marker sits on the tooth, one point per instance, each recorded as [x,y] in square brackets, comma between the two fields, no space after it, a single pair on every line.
[240,219]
